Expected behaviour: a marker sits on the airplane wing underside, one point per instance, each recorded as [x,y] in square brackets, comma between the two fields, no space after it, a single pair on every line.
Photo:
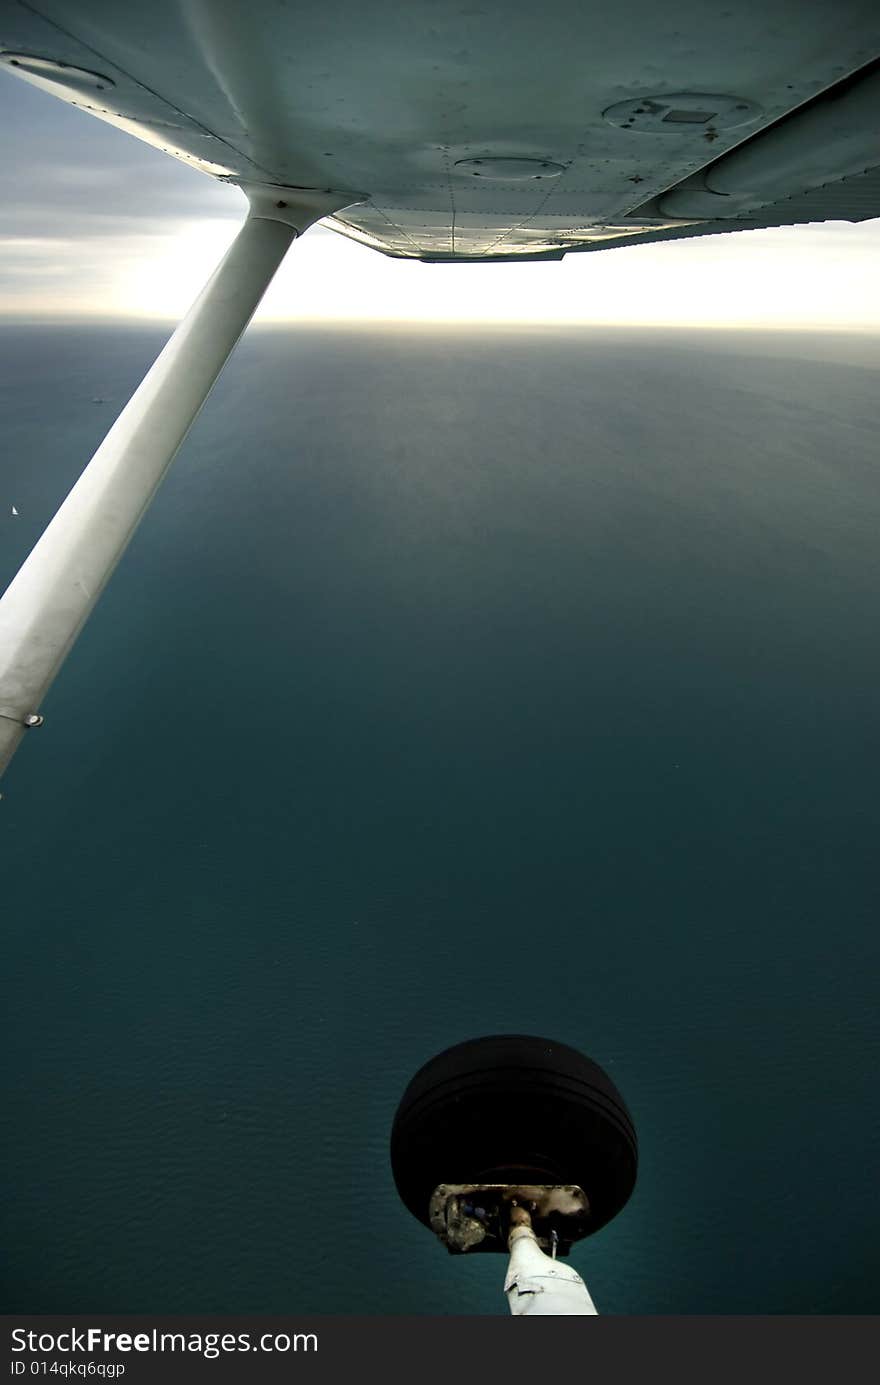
[491,129]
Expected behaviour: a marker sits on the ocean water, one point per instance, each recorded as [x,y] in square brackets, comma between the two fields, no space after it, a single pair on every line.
[458,682]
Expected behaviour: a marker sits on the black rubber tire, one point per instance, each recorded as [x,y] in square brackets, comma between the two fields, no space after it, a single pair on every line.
[509,1108]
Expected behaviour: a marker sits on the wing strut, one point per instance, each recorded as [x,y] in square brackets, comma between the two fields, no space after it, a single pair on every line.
[52,595]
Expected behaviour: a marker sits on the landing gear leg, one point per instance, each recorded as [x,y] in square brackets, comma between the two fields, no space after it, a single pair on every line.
[538,1285]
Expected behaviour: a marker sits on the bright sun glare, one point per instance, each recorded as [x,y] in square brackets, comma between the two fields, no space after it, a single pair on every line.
[793,276]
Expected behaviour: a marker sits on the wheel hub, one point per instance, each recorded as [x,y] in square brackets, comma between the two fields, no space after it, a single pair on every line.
[477,1216]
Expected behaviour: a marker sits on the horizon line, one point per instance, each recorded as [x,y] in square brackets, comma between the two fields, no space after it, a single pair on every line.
[62,317]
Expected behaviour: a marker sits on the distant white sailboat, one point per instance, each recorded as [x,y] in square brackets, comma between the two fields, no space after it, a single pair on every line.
[14,510]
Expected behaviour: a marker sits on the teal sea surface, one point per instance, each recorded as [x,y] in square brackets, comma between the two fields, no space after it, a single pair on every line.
[458,682]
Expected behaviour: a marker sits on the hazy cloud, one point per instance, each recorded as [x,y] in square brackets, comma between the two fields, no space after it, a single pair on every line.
[63,165]
[79,192]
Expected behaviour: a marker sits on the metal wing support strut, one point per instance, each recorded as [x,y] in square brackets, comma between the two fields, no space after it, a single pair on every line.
[52,595]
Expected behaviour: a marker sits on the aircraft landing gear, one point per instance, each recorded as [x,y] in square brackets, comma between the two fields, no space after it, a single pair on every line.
[519,1144]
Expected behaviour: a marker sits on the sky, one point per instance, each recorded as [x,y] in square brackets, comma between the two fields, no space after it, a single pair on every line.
[97,224]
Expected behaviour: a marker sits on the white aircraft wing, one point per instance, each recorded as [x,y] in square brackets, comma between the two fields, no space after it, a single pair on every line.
[491,129]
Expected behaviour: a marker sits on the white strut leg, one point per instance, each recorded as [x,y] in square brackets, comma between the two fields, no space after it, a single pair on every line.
[539,1286]
[52,595]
